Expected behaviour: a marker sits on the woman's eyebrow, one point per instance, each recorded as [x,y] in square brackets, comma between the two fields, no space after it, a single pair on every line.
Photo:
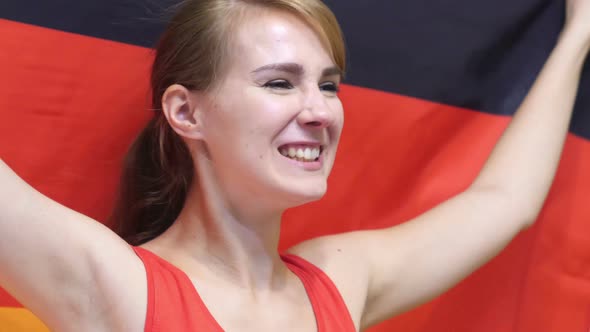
[332,71]
[290,67]
[297,69]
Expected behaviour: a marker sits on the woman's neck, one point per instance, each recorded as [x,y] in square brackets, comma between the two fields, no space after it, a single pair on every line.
[237,243]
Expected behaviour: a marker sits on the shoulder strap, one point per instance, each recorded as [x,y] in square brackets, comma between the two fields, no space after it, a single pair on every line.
[173,301]
[329,306]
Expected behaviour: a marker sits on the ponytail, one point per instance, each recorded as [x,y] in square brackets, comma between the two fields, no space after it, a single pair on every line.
[157,173]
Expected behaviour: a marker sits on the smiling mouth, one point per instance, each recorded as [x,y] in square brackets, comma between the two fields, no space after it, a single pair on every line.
[302,153]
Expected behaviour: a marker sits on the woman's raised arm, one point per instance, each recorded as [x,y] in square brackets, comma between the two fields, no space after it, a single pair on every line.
[63,266]
[420,259]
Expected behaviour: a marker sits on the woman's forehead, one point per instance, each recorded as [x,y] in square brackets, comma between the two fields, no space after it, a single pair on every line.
[277,37]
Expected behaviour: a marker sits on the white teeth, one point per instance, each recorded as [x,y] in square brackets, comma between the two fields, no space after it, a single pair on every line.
[315,153]
[301,154]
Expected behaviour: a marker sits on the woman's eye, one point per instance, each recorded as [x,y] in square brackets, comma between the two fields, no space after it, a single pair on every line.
[278,84]
[330,87]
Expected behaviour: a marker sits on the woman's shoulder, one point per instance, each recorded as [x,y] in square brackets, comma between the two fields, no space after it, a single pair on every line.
[335,257]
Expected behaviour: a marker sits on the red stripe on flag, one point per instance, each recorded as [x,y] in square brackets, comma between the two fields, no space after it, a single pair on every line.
[7,301]
[71,105]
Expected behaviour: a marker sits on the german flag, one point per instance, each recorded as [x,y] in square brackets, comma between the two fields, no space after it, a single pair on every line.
[430,88]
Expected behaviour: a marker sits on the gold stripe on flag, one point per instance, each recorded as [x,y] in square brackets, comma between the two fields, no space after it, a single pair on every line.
[20,320]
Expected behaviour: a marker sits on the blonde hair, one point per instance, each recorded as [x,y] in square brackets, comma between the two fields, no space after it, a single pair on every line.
[191,52]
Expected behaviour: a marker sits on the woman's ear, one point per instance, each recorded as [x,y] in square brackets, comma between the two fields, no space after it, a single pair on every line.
[182,110]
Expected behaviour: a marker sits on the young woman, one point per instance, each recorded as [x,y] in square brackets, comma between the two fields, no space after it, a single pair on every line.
[247,125]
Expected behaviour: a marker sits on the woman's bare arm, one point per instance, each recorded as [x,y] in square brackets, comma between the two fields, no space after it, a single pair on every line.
[418,260]
[60,264]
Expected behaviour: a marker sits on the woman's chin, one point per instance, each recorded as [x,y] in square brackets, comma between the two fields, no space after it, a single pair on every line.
[305,195]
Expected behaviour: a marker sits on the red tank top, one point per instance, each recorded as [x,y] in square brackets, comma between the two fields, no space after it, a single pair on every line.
[175,305]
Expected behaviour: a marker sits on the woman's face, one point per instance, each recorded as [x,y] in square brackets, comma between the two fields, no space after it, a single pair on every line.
[274,120]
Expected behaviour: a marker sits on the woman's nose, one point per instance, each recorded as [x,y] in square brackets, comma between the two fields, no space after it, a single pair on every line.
[316,112]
